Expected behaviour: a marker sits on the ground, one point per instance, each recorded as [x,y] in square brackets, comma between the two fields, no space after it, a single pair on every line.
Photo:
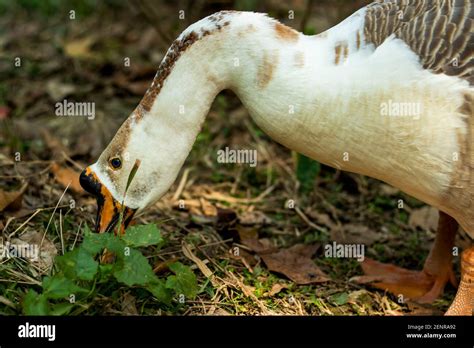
[215,214]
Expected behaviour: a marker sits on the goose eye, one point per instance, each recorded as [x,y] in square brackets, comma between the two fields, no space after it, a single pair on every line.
[115,163]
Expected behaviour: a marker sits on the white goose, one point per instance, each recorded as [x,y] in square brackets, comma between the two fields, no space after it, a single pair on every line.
[331,96]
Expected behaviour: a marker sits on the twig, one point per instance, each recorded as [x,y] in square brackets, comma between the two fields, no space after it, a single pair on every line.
[181,185]
[308,222]
[52,215]
[61,230]
[77,235]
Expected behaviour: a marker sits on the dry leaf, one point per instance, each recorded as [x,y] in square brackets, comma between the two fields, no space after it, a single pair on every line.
[276,288]
[249,237]
[221,311]
[11,199]
[79,48]
[54,144]
[58,90]
[4,112]
[67,176]
[358,234]
[134,87]
[128,304]
[422,309]
[254,218]
[260,246]
[296,264]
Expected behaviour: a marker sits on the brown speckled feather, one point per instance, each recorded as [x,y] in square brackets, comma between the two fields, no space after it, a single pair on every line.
[439,31]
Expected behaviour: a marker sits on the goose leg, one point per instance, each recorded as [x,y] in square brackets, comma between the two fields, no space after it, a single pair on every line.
[423,286]
[463,303]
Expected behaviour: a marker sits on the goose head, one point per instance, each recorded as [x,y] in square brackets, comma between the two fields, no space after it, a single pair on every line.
[134,171]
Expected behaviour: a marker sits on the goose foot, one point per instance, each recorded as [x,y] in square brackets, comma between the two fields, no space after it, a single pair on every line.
[463,303]
[423,286]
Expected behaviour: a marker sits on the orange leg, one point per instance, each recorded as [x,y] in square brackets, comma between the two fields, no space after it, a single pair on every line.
[424,286]
[463,303]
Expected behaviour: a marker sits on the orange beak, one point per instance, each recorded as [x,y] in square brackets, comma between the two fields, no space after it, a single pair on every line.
[108,209]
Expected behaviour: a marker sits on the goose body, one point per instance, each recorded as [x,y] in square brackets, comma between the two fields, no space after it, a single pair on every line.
[386,93]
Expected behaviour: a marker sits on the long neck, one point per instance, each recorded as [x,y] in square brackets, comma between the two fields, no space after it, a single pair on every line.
[319,95]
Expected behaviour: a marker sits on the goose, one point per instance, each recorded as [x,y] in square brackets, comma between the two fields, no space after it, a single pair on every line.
[386,93]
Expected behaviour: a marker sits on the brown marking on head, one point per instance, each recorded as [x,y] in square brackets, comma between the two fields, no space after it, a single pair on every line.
[345,52]
[139,112]
[337,54]
[341,52]
[174,52]
[119,142]
[267,68]
[299,59]
[286,33]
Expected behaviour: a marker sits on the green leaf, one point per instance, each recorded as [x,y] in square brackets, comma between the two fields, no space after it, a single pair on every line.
[35,304]
[93,243]
[61,308]
[340,299]
[116,245]
[134,269]
[183,282]
[160,291]
[78,264]
[306,172]
[142,235]
[105,272]
[59,286]
[132,174]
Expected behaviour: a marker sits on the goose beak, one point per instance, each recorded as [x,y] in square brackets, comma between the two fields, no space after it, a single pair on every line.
[108,208]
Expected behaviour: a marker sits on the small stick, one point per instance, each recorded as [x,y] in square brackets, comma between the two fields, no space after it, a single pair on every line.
[308,222]
[181,185]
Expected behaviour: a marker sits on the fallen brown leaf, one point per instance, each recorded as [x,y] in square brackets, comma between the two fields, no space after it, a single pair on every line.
[358,234]
[128,304]
[276,288]
[79,48]
[249,238]
[296,264]
[57,90]
[67,176]
[4,112]
[419,309]
[254,218]
[12,199]
[134,87]
[54,144]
